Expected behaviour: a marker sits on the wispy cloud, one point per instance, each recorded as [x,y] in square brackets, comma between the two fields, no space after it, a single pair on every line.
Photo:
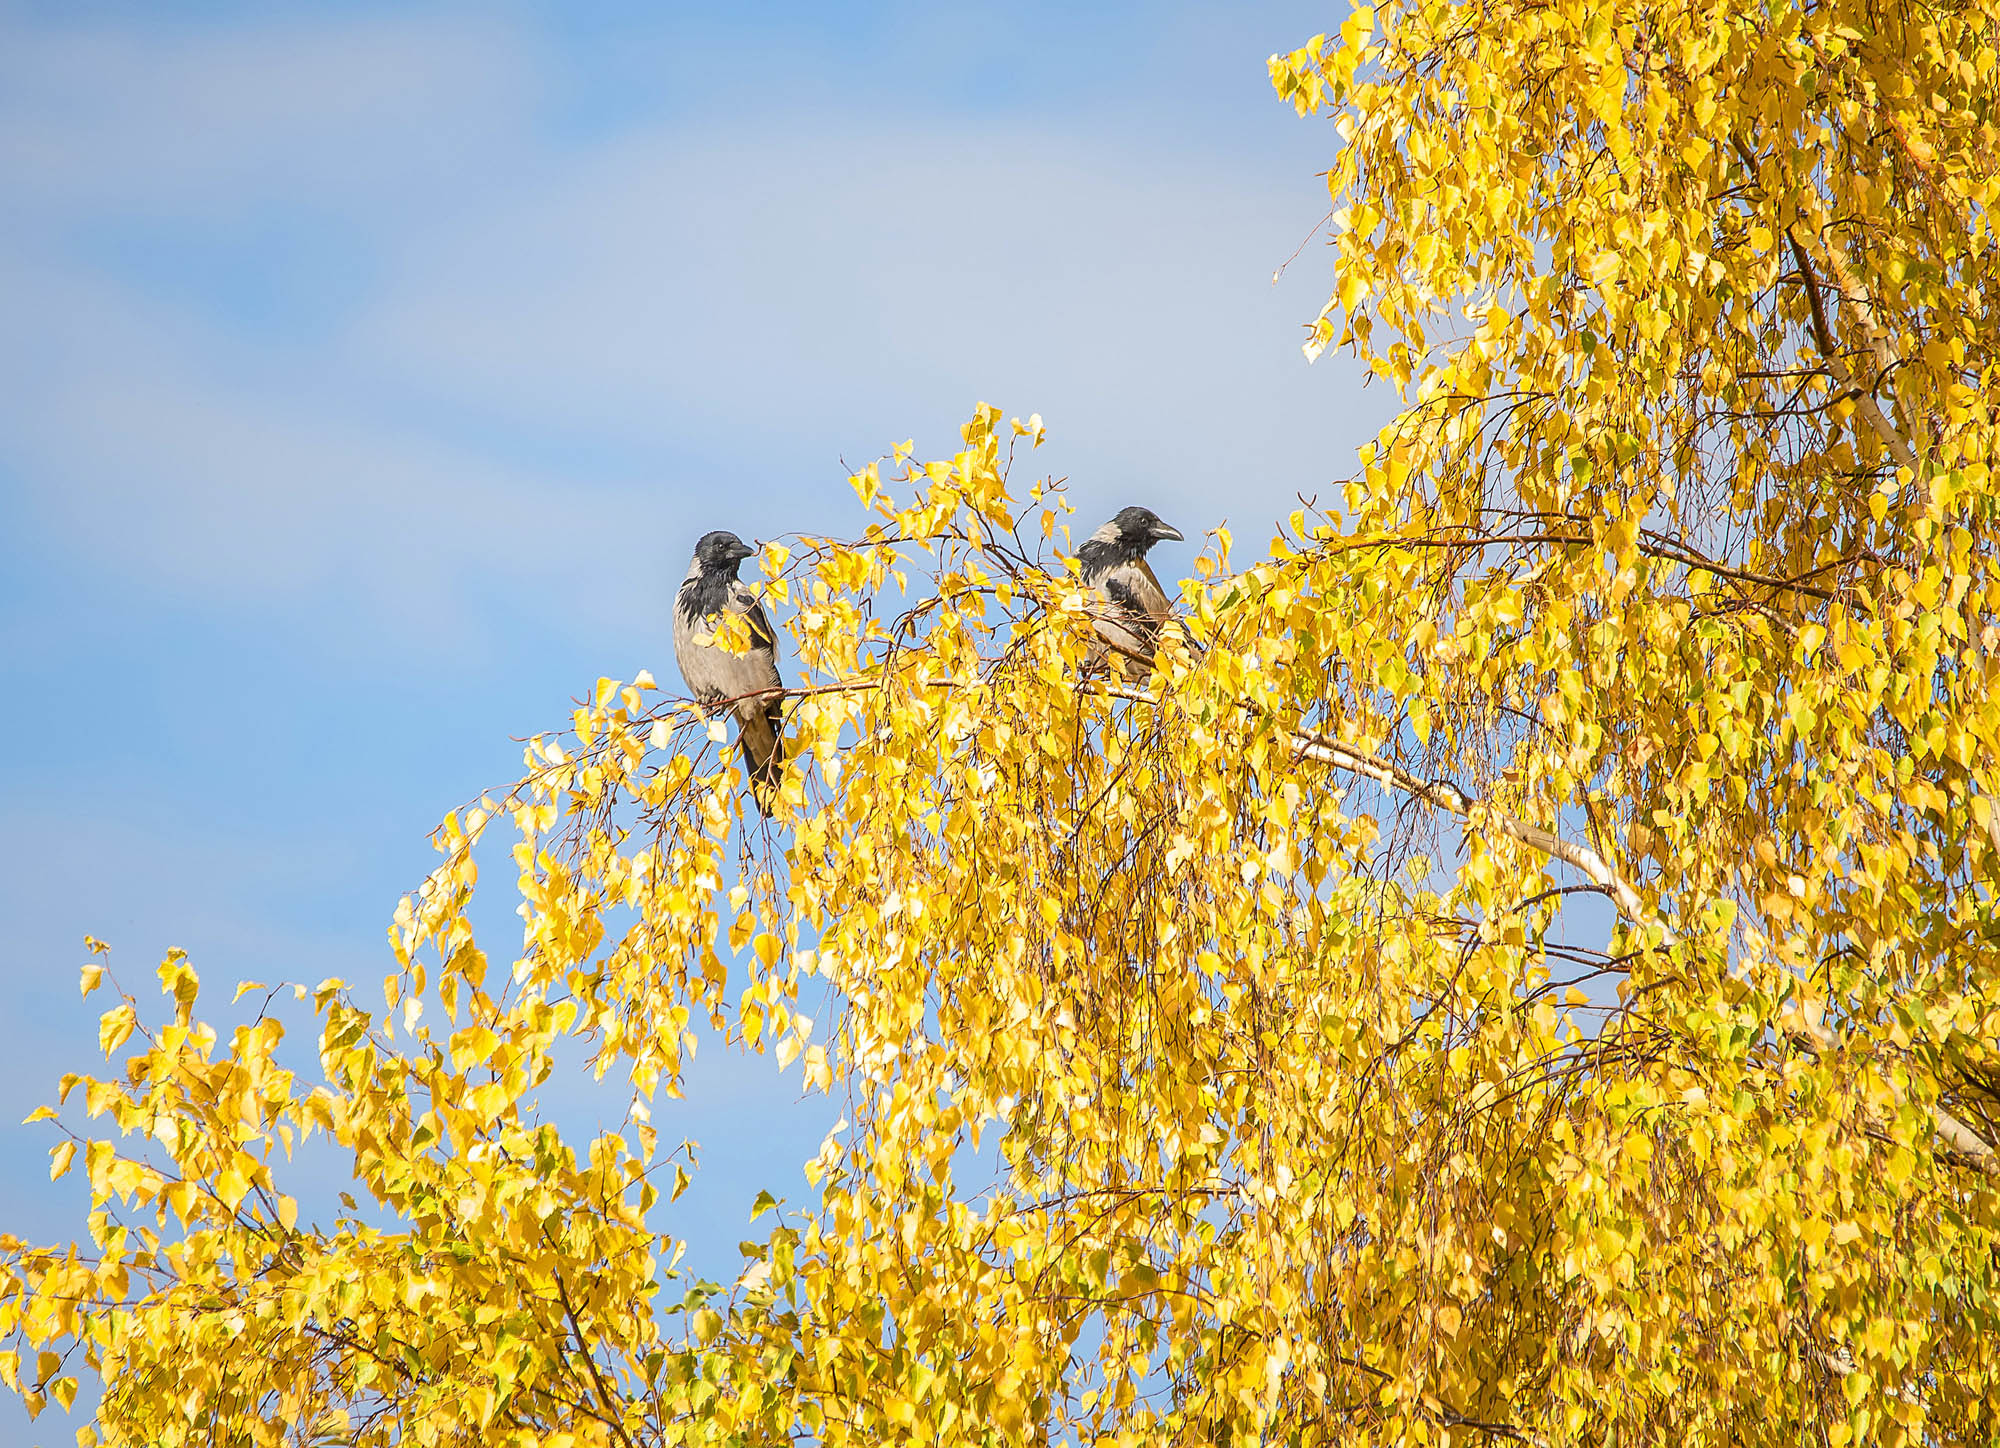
[839,284]
[150,116]
[157,444]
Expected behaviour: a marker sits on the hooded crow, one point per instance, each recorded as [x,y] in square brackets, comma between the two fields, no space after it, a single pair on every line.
[719,676]
[1133,603]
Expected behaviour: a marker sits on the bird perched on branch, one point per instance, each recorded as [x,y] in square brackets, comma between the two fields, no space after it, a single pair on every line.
[743,679]
[1132,605]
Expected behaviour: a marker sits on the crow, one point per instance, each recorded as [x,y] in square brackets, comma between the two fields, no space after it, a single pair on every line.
[718,676]
[1133,603]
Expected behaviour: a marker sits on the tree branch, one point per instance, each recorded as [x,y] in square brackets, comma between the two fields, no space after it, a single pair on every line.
[1864,400]
[1965,1144]
[1451,798]
[613,1419]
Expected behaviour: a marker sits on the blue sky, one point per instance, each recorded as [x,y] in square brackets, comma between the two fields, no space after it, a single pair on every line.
[366,373]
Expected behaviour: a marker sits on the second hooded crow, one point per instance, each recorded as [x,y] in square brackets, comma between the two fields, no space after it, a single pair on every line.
[721,677]
[1132,605]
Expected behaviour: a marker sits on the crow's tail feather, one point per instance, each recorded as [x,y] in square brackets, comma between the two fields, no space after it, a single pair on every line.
[760,730]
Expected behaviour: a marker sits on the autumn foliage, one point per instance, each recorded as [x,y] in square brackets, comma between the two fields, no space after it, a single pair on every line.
[1232,1058]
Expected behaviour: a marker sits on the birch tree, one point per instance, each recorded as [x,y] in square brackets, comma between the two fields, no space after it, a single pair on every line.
[1521,967]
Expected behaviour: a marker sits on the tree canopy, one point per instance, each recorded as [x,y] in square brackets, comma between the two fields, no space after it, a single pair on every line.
[1224,1057]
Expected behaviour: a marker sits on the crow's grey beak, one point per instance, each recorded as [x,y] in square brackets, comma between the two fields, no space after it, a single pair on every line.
[1164,531]
[748,552]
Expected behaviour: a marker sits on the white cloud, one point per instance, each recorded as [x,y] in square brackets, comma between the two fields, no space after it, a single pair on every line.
[140,116]
[155,444]
[848,283]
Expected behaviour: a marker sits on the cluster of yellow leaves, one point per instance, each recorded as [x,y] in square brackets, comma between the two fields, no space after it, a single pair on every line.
[1696,311]
[1220,1062]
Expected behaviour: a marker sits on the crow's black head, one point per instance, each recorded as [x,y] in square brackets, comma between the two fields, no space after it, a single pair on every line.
[721,551]
[1142,527]
[1124,539]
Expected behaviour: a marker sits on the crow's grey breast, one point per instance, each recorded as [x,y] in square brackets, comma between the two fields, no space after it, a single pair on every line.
[745,683]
